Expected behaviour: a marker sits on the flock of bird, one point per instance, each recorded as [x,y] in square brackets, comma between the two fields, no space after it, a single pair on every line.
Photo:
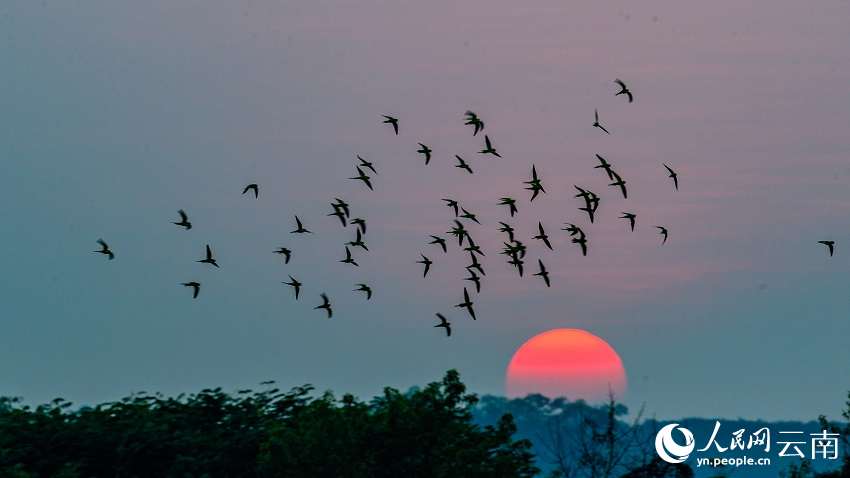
[514,248]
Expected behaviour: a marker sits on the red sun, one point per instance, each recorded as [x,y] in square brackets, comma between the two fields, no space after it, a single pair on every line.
[567,363]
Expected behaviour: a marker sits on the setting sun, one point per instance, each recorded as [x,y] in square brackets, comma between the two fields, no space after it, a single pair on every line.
[566,363]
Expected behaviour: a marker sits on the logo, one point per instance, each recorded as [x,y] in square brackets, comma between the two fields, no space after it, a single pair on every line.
[664,443]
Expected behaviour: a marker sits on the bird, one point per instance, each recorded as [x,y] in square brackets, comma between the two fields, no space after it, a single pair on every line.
[348,259]
[489,148]
[468,215]
[830,245]
[473,119]
[392,121]
[543,273]
[462,164]
[326,304]
[507,228]
[459,231]
[673,175]
[582,240]
[427,263]
[511,203]
[606,166]
[287,254]
[360,223]
[300,229]
[254,187]
[209,259]
[467,303]
[338,212]
[475,265]
[630,216]
[358,241]
[619,182]
[473,248]
[572,229]
[365,288]
[194,285]
[426,151]
[439,240]
[363,177]
[663,232]
[340,204]
[474,278]
[517,262]
[294,283]
[596,123]
[105,249]
[366,164]
[534,185]
[624,90]
[542,235]
[453,204]
[184,220]
[444,324]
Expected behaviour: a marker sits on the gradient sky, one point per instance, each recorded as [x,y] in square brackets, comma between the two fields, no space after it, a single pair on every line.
[114,115]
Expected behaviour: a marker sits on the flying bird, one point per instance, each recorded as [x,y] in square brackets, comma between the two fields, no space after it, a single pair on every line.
[572,229]
[462,164]
[511,203]
[184,220]
[606,166]
[365,288]
[507,228]
[366,164]
[631,217]
[358,241]
[596,123]
[467,303]
[325,305]
[254,187]
[517,262]
[459,231]
[619,182]
[475,265]
[474,278]
[489,149]
[829,244]
[287,254]
[392,121]
[663,232]
[473,119]
[453,204]
[468,215]
[360,223]
[439,240]
[297,285]
[426,151]
[623,90]
[542,235]
[340,204]
[300,229]
[363,177]
[348,259]
[105,249]
[427,263]
[673,175]
[338,212]
[581,240]
[194,285]
[444,324]
[543,273]
[534,185]
[209,259]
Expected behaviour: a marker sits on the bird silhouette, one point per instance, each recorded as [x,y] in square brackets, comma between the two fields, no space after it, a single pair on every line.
[619,182]
[462,164]
[473,248]
[473,119]
[582,241]
[184,220]
[254,187]
[596,123]
[663,232]
[534,185]
[444,324]
[542,235]
[673,175]
[286,253]
[623,90]
[360,223]
[342,205]
[439,240]
[511,203]
[348,259]
[338,212]
[468,215]
[453,204]
[459,231]
[427,263]
[606,166]
[475,265]
[467,303]
[474,278]
[195,285]
[105,249]
[365,288]
[392,121]
[630,216]
[507,228]
[426,151]
[295,284]
[543,273]
[518,263]
[358,242]
[326,304]
[489,149]
[572,229]
[209,259]
[363,177]
[300,229]
[830,245]
[366,164]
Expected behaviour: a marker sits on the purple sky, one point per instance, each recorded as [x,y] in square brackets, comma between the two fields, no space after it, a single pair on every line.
[114,116]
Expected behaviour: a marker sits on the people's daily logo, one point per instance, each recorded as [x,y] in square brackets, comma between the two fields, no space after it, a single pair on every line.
[668,449]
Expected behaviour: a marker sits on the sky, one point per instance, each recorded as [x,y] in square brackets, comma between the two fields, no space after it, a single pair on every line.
[114,115]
